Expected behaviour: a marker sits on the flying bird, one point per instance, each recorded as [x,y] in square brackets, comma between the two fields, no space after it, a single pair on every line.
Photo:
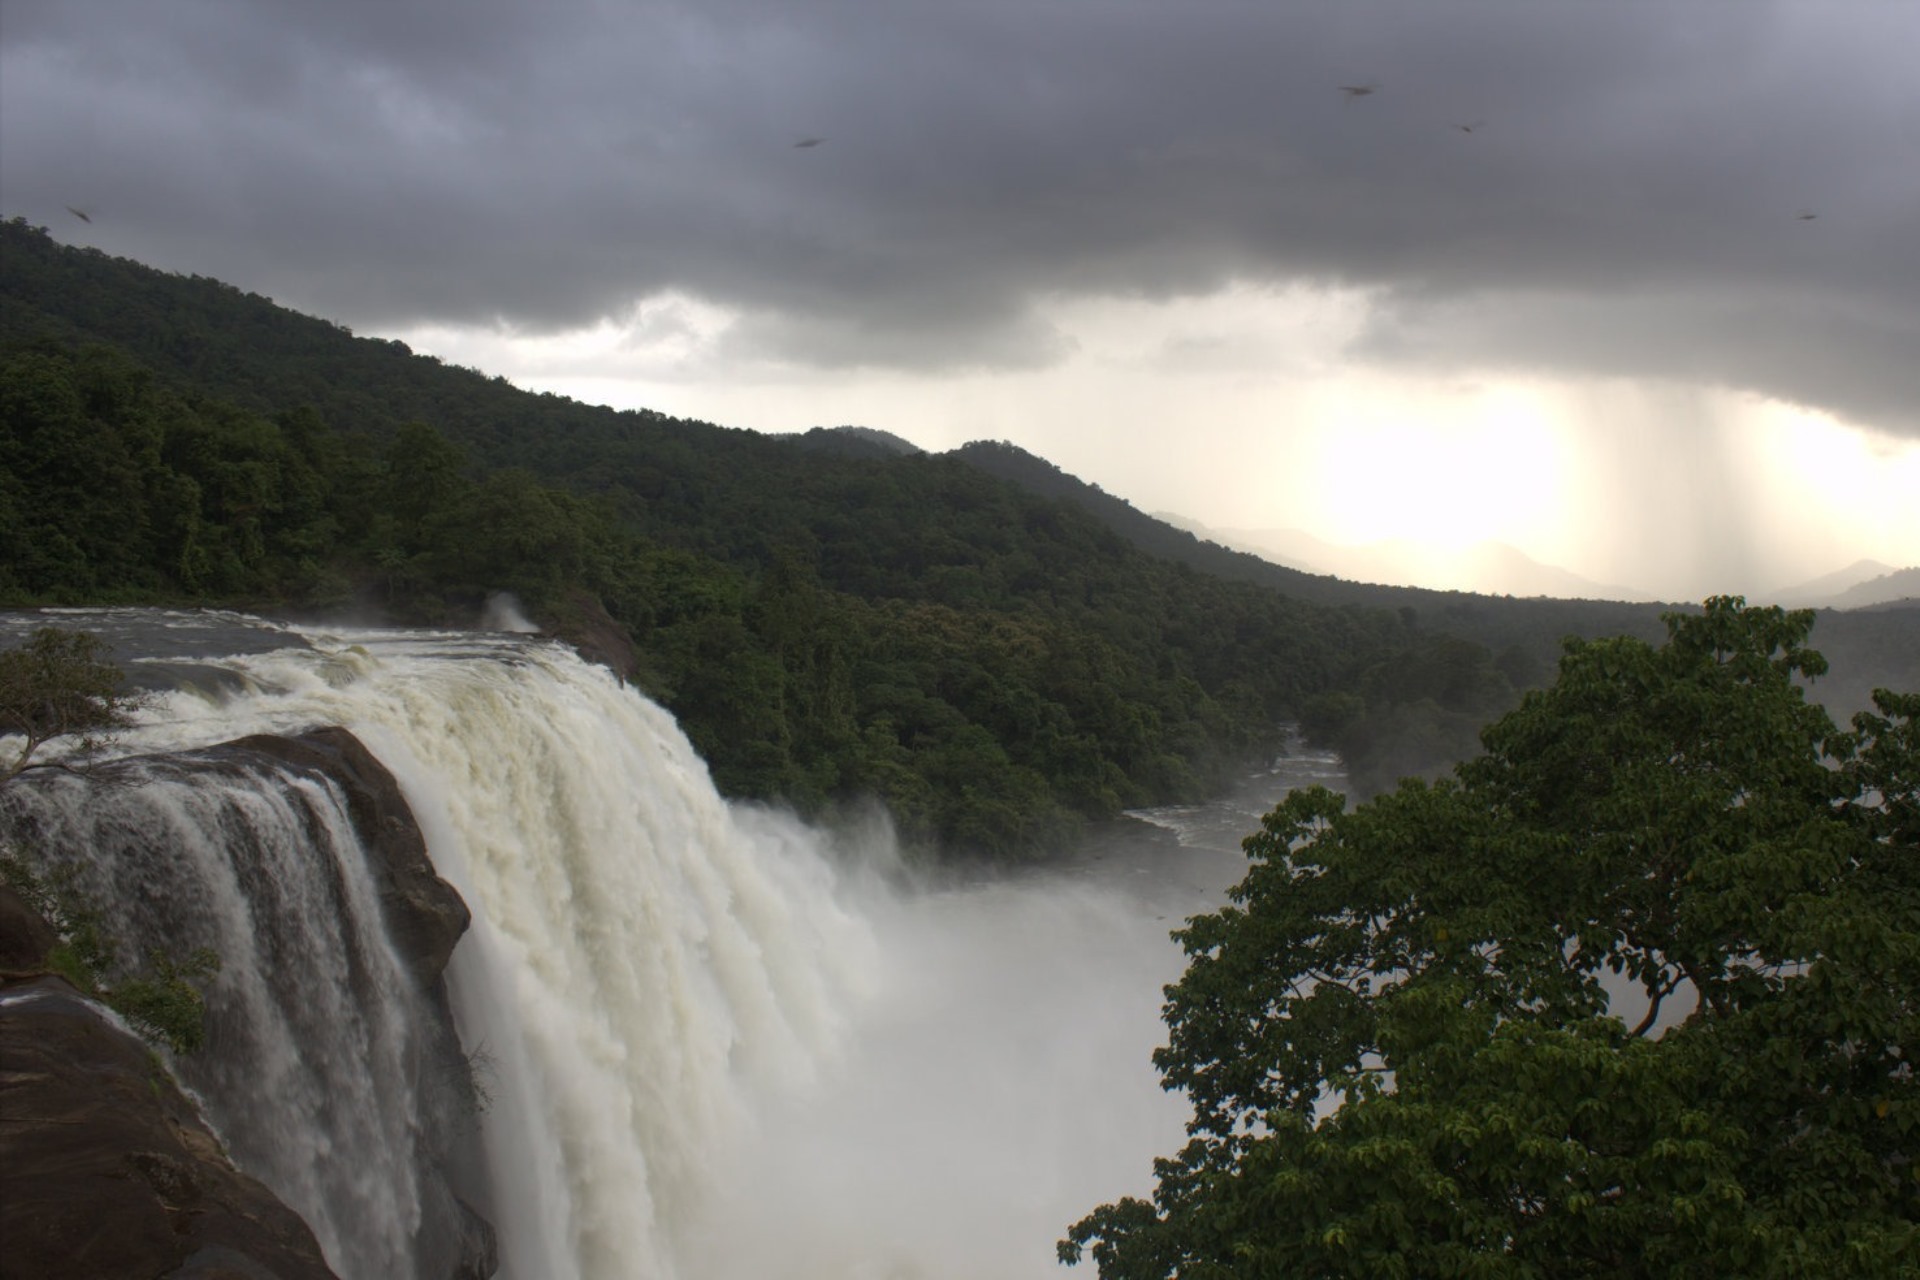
[1806,217]
[809,142]
[1357,90]
[1469,128]
[79,213]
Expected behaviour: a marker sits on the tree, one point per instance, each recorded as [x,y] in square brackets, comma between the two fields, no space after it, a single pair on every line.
[58,684]
[1635,993]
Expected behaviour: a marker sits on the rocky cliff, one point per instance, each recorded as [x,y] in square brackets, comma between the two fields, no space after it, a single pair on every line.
[106,1167]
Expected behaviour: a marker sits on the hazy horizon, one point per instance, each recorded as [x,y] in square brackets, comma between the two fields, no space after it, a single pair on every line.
[1493,567]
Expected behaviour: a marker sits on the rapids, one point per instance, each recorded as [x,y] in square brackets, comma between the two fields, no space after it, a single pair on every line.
[716,1043]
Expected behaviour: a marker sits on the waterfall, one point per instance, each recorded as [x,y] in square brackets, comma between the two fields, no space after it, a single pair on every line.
[313,1068]
[712,1047]
[644,956]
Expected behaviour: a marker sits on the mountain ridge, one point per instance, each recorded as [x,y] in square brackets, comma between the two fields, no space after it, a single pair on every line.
[1485,568]
[824,612]
[1862,584]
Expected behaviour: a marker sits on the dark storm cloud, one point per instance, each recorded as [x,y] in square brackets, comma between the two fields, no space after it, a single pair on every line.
[1627,198]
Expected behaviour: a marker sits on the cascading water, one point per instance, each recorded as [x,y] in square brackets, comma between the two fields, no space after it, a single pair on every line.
[311,1071]
[643,954]
[713,1051]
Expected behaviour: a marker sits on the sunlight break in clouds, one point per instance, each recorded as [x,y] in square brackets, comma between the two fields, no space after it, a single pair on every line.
[1447,465]
[1246,409]
[660,339]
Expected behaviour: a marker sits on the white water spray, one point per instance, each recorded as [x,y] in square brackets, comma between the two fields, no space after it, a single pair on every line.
[714,1057]
[643,957]
[504,612]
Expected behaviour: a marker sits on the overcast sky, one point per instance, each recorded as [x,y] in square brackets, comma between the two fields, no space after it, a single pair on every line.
[1633,286]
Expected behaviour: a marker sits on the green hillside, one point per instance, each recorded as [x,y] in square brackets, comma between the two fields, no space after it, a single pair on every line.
[830,620]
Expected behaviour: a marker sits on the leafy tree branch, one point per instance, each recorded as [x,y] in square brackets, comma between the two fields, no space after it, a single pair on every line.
[59,684]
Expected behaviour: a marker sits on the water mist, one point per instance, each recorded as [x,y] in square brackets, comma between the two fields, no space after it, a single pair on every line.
[717,1046]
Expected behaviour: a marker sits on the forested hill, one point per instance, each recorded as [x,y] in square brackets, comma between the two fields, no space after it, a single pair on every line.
[830,617]
[1534,626]
[1869,648]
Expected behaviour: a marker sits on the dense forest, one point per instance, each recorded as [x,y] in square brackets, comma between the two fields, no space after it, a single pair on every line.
[994,650]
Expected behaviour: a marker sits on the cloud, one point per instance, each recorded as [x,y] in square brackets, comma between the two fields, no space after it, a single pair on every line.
[1851,355]
[1627,203]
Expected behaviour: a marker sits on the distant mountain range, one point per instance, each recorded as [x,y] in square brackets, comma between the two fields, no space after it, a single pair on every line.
[1863,584]
[1488,568]
[708,521]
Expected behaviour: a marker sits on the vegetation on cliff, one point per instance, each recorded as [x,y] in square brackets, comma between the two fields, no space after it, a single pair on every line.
[60,684]
[162,998]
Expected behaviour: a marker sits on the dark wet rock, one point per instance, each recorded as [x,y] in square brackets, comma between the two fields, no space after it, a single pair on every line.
[425,915]
[479,1248]
[25,938]
[583,622]
[125,1199]
[425,918]
[106,1169]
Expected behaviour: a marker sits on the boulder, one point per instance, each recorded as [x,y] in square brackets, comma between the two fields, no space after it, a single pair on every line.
[25,938]
[583,622]
[425,915]
[106,1169]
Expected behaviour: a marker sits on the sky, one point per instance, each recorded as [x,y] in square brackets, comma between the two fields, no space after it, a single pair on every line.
[1632,287]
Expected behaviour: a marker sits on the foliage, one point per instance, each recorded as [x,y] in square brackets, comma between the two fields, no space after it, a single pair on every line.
[58,684]
[161,1000]
[1637,992]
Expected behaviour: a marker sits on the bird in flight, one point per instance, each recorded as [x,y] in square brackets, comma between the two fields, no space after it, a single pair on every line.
[1358,90]
[79,213]
[1469,128]
[1806,217]
[809,142]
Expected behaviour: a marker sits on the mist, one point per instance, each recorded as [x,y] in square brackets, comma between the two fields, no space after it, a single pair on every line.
[995,1083]
[995,1087]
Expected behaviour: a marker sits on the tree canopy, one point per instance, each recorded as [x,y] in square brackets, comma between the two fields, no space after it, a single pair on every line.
[1632,994]
[59,684]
